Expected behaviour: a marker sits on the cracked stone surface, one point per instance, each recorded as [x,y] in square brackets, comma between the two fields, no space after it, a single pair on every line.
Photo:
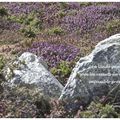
[33,71]
[97,74]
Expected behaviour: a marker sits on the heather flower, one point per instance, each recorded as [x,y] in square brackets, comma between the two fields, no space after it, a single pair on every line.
[53,54]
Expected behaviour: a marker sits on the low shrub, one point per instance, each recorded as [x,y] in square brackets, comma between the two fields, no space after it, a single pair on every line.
[113,25]
[30,24]
[23,101]
[28,32]
[61,14]
[62,71]
[3,12]
[2,62]
[55,31]
[85,4]
[98,110]
[63,5]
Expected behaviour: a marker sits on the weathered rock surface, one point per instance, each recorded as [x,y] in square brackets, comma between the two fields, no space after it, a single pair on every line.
[32,70]
[97,74]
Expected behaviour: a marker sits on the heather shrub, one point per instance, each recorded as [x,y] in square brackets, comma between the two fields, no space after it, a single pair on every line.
[29,102]
[67,109]
[3,12]
[98,110]
[54,70]
[28,32]
[89,17]
[62,71]
[63,5]
[43,106]
[33,21]
[2,62]
[72,12]
[2,80]
[27,42]
[14,51]
[28,19]
[19,19]
[64,68]
[85,4]
[55,31]
[2,109]
[53,53]
[36,23]
[113,25]
[61,14]
[64,108]
[108,112]
[29,23]
[22,18]
[22,8]
[57,109]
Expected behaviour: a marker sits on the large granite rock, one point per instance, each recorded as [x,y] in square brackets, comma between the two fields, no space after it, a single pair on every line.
[97,74]
[31,70]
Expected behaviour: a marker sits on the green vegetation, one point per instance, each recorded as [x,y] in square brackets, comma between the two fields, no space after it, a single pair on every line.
[27,42]
[98,110]
[55,31]
[28,103]
[28,32]
[64,68]
[61,14]
[63,5]
[3,12]
[30,24]
[62,71]
[112,25]
[2,62]
[72,12]
[85,3]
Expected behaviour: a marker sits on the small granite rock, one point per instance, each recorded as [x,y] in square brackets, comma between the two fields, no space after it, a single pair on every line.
[32,70]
